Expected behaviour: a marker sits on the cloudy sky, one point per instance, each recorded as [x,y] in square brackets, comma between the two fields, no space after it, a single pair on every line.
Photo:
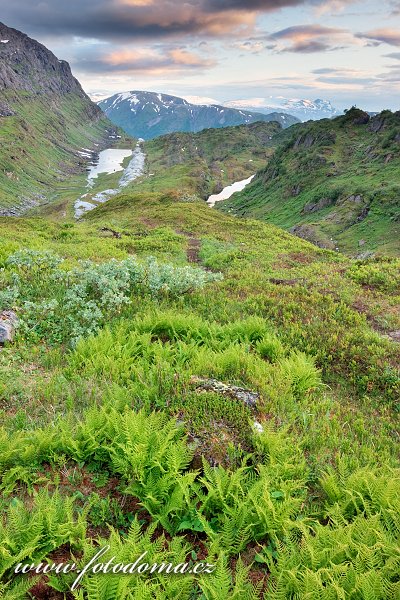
[342,50]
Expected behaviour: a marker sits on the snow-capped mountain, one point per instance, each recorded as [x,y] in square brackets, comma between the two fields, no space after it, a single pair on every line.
[148,114]
[300,108]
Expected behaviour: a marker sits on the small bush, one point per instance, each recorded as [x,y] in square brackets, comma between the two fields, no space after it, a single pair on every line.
[384,276]
[62,304]
[270,348]
[302,373]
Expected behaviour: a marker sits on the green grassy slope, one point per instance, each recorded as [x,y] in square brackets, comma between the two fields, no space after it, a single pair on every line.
[334,182]
[203,163]
[46,121]
[40,143]
[113,430]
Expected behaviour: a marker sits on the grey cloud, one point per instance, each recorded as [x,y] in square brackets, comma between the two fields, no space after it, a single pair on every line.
[118,20]
[383,35]
[324,71]
[346,80]
[301,30]
[310,38]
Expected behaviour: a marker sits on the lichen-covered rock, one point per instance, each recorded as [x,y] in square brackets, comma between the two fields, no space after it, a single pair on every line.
[249,397]
[394,335]
[8,324]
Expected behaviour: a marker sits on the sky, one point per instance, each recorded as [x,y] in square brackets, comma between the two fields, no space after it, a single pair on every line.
[344,51]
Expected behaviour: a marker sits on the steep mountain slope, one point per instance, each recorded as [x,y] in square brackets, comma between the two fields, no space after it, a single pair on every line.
[148,115]
[47,123]
[304,110]
[333,182]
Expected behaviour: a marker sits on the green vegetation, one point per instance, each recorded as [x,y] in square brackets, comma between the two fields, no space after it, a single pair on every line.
[108,437]
[195,165]
[333,182]
[40,144]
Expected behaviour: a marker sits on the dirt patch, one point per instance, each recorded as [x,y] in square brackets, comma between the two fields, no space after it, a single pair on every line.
[193,247]
[149,222]
[193,250]
[42,591]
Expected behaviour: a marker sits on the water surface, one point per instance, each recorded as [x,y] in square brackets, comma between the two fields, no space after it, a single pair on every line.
[110,161]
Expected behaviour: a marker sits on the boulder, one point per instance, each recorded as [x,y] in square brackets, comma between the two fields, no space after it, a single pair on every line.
[295,191]
[8,324]
[249,397]
[394,335]
[5,110]
[376,124]
[315,206]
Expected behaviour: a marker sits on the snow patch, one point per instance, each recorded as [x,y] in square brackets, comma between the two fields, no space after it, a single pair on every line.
[227,192]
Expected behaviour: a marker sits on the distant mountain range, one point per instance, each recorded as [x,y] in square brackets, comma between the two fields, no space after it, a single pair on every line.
[148,115]
[304,110]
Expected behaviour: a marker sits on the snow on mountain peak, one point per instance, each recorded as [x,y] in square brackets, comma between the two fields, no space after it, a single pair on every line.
[301,108]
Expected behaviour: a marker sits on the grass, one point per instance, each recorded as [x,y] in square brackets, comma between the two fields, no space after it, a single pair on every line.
[108,435]
[205,162]
[336,181]
[39,147]
[111,434]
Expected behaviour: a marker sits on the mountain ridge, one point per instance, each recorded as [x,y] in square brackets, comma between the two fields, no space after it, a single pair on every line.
[150,114]
[303,109]
[332,182]
[46,120]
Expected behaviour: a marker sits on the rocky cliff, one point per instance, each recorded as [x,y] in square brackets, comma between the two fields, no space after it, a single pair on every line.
[46,120]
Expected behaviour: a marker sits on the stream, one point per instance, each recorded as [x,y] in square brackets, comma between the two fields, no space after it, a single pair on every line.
[110,161]
[227,192]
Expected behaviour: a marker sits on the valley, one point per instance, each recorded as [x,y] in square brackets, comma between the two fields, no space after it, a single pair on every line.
[190,382]
[127,164]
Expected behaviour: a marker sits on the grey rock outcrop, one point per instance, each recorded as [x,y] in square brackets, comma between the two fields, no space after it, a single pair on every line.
[8,324]
[249,397]
[311,207]
[27,65]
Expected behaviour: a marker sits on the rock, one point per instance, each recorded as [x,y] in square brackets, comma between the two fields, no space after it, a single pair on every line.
[361,242]
[295,191]
[394,335]
[354,199]
[5,110]
[363,214]
[8,324]
[376,124]
[283,281]
[365,255]
[362,119]
[258,427]
[311,233]
[315,206]
[29,66]
[306,140]
[249,397]
[113,233]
